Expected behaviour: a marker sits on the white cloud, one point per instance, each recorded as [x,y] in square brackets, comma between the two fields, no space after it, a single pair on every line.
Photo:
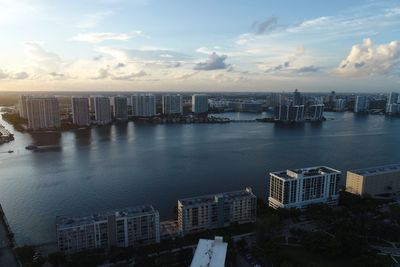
[214,62]
[41,59]
[365,59]
[92,20]
[98,37]
[185,76]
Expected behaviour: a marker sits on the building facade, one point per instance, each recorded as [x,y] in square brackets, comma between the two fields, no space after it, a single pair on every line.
[316,112]
[22,106]
[199,103]
[172,104]
[361,104]
[80,111]
[43,113]
[215,211]
[289,113]
[128,227]
[299,188]
[143,105]
[374,181]
[102,109]
[119,106]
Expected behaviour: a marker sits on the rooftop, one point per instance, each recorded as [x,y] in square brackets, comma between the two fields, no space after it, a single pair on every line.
[377,170]
[211,198]
[67,222]
[305,172]
[210,253]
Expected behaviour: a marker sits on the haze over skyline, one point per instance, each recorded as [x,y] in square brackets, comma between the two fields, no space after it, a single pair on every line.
[154,45]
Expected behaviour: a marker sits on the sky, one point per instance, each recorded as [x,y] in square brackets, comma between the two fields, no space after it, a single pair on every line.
[208,45]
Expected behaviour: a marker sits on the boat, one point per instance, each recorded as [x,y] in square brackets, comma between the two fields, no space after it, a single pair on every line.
[31,147]
[10,151]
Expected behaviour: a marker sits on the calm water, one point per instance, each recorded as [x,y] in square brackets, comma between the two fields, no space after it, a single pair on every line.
[128,165]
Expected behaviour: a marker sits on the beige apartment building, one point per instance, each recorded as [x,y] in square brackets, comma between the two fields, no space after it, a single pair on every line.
[374,181]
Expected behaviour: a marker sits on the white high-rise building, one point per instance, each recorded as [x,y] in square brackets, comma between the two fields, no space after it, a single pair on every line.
[120,108]
[316,112]
[299,188]
[80,111]
[43,113]
[172,104]
[340,104]
[393,98]
[102,109]
[22,107]
[199,103]
[143,105]
[361,104]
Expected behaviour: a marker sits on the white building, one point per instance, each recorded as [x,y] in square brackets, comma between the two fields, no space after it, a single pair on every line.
[361,104]
[128,227]
[216,211]
[392,108]
[80,111]
[120,108]
[301,187]
[393,98]
[102,109]
[143,105]
[172,104]
[316,112]
[210,253]
[340,104]
[42,113]
[22,106]
[199,103]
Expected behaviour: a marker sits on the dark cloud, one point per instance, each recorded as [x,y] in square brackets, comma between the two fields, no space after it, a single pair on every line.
[97,58]
[230,69]
[359,64]
[119,65]
[103,73]
[262,27]
[214,62]
[21,75]
[175,65]
[310,68]
[3,75]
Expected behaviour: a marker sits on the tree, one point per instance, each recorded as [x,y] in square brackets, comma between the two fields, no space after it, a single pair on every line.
[56,258]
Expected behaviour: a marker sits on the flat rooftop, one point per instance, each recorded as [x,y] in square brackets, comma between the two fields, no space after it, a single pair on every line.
[211,198]
[67,222]
[210,253]
[377,170]
[304,172]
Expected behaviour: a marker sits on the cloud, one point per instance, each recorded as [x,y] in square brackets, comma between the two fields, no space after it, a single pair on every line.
[214,62]
[265,26]
[186,76]
[13,76]
[286,64]
[20,75]
[306,69]
[92,20]
[175,65]
[103,73]
[41,59]
[365,59]
[98,37]
[131,76]
[3,75]
[119,65]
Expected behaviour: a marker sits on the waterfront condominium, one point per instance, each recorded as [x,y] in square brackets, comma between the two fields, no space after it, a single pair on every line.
[102,109]
[215,211]
[199,103]
[289,113]
[374,181]
[172,104]
[42,113]
[361,104]
[316,112]
[298,188]
[120,108]
[22,106]
[129,227]
[80,111]
[143,105]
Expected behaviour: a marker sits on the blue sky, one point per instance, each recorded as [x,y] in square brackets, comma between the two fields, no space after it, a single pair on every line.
[148,45]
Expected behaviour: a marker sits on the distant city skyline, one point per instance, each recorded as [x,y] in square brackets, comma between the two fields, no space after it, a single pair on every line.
[207,46]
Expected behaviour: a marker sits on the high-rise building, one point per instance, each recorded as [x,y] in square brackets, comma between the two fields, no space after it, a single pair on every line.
[120,108]
[393,98]
[22,106]
[102,109]
[42,113]
[316,112]
[143,105]
[199,103]
[216,211]
[299,188]
[340,104]
[374,181]
[392,108]
[128,227]
[297,100]
[289,113]
[210,253]
[361,104]
[172,104]
[80,111]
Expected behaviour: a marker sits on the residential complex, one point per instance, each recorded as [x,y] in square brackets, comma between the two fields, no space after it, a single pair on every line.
[120,108]
[172,104]
[289,113]
[374,181]
[215,211]
[128,227]
[80,111]
[42,113]
[210,253]
[316,112]
[199,103]
[298,188]
[143,105]
[22,106]
[361,104]
[102,109]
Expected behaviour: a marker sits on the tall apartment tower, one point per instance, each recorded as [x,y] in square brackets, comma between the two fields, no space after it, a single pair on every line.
[289,113]
[216,211]
[43,113]
[172,104]
[393,98]
[316,112]
[22,106]
[130,227]
[120,108]
[299,188]
[102,109]
[143,105]
[361,104]
[199,103]
[80,111]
